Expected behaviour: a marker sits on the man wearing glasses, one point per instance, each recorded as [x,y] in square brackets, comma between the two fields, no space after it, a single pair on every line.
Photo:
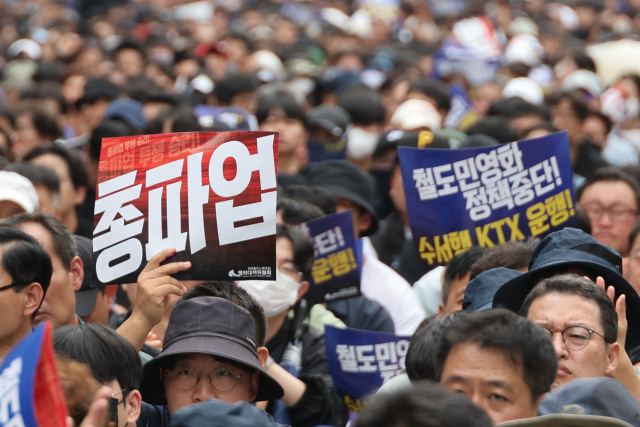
[582,323]
[611,199]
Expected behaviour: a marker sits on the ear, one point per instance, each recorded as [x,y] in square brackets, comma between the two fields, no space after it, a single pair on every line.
[35,295]
[303,289]
[77,271]
[81,194]
[134,401]
[612,358]
[263,355]
[440,311]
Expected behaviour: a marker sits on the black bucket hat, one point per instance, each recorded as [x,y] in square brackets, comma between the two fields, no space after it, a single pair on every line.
[214,326]
[344,179]
[571,247]
[478,296]
[85,296]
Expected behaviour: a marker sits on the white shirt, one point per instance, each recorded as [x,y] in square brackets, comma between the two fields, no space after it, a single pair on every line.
[381,284]
[429,290]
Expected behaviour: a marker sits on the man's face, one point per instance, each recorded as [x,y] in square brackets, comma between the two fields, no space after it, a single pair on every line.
[456,295]
[490,380]
[361,220]
[12,305]
[612,210]
[556,312]
[564,117]
[9,208]
[634,264]
[60,301]
[93,113]
[292,131]
[129,409]
[69,197]
[245,389]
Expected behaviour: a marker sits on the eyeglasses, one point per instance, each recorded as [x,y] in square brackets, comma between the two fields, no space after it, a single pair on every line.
[124,393]
[575,337]
[221,379]
[617,213]
[4,288]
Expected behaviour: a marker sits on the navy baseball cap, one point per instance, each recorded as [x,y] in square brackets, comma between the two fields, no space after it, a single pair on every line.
[214,326]
[573,248]
[478,296]
[128,110]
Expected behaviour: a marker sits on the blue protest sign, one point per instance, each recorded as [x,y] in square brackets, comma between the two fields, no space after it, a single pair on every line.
[335,274]
[30,392]
[486,196]
[361,361]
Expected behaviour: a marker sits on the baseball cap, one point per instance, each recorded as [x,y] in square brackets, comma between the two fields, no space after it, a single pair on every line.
[97,89]
[478,296]
[422,139]
[128,110]
[86,295]
[18,189]
[223,119]
[415,114]
[216,413]
[568,248]
[525,88]
[213,326]
[344,179]
[585,402]
[333,118]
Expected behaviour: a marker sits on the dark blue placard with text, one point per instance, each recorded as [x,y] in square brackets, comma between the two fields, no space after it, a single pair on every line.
[361,361]
[335,274]
[486,196]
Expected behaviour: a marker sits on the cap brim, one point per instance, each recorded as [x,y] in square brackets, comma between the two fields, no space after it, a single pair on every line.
[513,293]
[567,420]
[152,389]
[345,193]
[323,123]
[18,198]
[86,301]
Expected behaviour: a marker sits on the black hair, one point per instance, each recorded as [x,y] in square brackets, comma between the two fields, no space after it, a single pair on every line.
[236,295]
[318,196]
[295,211]
[578,105]
[519,69]
[38,175]
[604,119]
[129,44]
[77,170]
[109,355]
[584,223]
[231,86]
[280,100]
[583,61]
[458,267]
[425,405]
[514,255]
[24,260]
[44,123]
[574,284]
[303,252]
[499,128]
[108,129]
[435,90]
[517,338]
[424,345]
[364,105]
[64,243]
[611,174]
[183,119]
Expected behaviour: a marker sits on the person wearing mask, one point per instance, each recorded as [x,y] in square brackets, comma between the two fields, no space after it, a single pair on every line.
[25,273]
[297,352]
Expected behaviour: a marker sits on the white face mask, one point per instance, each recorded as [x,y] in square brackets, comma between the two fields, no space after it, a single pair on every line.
[361,143]
[274,296]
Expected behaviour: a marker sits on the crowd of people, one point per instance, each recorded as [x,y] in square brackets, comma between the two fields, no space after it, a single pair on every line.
[535,332]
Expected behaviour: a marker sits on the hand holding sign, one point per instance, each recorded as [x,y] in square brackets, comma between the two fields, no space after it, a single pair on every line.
[155,286]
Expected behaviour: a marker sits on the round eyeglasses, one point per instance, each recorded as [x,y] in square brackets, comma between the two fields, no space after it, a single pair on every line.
[221,379]
[575,337]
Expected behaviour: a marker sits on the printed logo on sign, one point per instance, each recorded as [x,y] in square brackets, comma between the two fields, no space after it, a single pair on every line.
[233,274]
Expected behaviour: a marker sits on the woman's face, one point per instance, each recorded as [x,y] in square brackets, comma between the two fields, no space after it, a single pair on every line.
[26,137]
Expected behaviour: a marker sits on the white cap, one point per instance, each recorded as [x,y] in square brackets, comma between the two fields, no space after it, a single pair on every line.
[525,88]
[523,48]
[28,46]
[18,189]
[415,114]
[585,80]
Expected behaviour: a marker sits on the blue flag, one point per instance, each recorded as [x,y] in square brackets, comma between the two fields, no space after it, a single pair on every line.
[30,392]
[486,196]
[335,274]
[361,361]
